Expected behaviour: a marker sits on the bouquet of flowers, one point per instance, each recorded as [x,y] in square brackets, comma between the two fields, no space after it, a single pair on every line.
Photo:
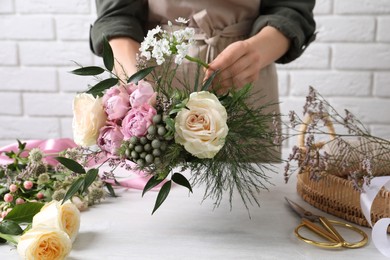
[163,125]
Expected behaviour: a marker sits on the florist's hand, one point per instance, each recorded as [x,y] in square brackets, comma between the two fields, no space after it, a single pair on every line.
[241,62]
[238,64]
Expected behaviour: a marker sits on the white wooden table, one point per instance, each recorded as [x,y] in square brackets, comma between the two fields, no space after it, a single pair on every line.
[185,228]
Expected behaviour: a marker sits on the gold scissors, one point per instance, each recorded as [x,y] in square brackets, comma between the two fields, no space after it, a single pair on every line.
[326,230]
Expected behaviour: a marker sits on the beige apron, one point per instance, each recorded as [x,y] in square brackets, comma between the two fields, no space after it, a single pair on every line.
[219,23]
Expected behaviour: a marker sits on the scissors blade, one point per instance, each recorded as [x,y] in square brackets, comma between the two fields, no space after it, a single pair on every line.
[303,213]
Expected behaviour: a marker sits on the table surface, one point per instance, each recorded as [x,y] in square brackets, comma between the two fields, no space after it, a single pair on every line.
[184,227]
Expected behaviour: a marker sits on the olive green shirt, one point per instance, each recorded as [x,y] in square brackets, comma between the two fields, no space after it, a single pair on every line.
[129,18]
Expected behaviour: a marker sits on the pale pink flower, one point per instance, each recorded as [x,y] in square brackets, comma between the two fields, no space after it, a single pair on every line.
[28,185]
[137,121]
[110,138]
[144,93]
[40,195]
[8,197]
[116,102]
[19,201]
[13,188]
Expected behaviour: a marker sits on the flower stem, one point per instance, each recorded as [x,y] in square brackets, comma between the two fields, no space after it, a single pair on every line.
[200,62]
[10,238]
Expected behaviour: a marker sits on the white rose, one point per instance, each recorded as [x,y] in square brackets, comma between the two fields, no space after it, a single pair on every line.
[88,118]
[65,217]
[202,128]
[44,243]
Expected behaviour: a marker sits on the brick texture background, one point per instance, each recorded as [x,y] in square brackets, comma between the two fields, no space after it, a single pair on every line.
[40,39]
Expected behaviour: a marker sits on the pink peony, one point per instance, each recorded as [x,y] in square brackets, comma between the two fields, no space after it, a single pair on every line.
[144,93]
[116,102]
[110,138]
[137,121]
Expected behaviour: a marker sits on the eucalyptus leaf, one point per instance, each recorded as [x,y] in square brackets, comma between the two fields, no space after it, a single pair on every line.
[90,177]
[162,195]
[153,182]
[88,71]
[108,55]
[10,227]
[208,82]
[97,90]
[24,213]
[181,180]
[71,164]
[141,74]
[74,188]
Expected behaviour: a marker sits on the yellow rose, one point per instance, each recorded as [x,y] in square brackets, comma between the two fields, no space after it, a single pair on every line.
[88,118]
[65,217]
[44,243]
[202,128]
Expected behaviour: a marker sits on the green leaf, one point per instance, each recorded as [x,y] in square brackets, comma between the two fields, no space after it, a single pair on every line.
[71,164]
[141,74]
[98,89]
[181,180]
[90,177]
[13,239]
[10,227]
[162,195]
[108,55]
[153,182]
[24,213]
[208,82]
[74,188]
[88,71]
[21,146]
[110,190]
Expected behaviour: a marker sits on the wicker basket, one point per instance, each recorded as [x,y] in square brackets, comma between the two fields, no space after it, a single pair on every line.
[336,195]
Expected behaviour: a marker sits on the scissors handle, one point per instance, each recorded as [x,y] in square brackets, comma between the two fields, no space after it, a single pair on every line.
[330,234]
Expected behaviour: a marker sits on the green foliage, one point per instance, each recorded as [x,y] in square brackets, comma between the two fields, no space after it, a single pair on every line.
[71,164]
[24,213]
[181,180]
[98,89]
[141,74]
[108,55]
[153,182]
[162,195]
[88,71]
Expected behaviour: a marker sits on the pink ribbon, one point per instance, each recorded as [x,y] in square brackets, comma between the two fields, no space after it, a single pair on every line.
[51,148]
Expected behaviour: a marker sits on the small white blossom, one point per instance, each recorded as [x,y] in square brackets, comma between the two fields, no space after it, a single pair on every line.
[182,20]
[182,51]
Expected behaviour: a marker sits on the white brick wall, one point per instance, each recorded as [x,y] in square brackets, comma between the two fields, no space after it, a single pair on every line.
[349,63]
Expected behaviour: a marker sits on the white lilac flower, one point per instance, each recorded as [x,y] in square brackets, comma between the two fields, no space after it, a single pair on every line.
[182,20]
[182,50]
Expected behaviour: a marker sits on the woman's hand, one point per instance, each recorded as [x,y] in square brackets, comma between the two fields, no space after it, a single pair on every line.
[241,62]
[125,50]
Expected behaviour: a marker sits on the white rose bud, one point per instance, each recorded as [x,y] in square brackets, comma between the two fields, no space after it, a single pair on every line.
[202,128]
[44,243]
[65,217]
[88,118]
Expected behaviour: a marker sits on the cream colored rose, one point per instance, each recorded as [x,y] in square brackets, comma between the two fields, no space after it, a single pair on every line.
[202,128]
[44,243]
[65,217]
[88,118]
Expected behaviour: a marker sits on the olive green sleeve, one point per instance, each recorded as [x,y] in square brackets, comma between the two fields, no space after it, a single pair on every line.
[117,18]
[293,18]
